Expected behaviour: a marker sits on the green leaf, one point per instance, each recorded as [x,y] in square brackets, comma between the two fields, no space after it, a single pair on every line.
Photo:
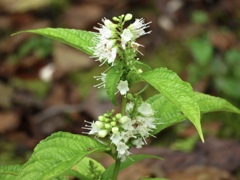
[178,91]
[79,39]
[128,162]
[209,103]
[83,167]
[10,172]
[58,153]
[112,80]
[202,50]
[167,113]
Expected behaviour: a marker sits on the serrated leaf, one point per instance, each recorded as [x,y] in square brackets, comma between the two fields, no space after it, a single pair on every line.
[128,162]
[209,103]
[167,113]
[57,154]
[83,167]
[10,172]
[79,39]
[178,91]
[112,80]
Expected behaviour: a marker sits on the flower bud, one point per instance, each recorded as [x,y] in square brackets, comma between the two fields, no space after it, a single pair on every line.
[113,123]
[107,126]
[124,119]
[102,133]
[115,18]
[106,119]
[101,118]
[130,96]
[99,124]
[118,115]
[139,71]
[115,129]
[128,17]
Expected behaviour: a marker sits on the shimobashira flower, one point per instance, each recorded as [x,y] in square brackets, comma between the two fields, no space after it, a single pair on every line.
[105,49]
[123,87]
[102,78]
[125,37]
[145,109]
[138,27]
[138,143]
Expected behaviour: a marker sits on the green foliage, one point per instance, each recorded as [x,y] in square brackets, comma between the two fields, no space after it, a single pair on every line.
[9,172]
[39,46]
[201,49]
[79,39]
[168,113]
[112,79]
[178,91]
[63,155]
[39,87]
[199,17]
[57,154]
[128,162]
[89,168]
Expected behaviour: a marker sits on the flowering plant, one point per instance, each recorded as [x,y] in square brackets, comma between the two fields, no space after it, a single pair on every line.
[64,155]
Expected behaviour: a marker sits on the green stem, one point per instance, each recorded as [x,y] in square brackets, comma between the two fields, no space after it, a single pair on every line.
[116,169]
[124,102]
[143,89]
[118,162]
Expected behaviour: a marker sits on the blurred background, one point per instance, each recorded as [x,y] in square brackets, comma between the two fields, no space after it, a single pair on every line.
[46,86]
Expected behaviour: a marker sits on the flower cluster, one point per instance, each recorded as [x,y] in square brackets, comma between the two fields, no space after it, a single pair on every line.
[114,44]
[112,34]
[125,131]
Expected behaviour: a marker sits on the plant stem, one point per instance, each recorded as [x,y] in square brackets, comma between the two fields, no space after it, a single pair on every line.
[124,102]
[116,169]
[118,162]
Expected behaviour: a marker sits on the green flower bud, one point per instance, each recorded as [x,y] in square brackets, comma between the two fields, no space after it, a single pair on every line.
[113,123]
[130,96]
[128,17]
[102,133]
[99,124]
[106,119]
[139,71]
[118,115]
[115,18]
[101,118]
[107,126]
[124,119]
[114,119]
[115,129]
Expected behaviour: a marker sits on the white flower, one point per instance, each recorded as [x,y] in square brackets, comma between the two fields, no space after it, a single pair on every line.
[116,138]
[102,78]
[123,87]
[138,27]
[94,129]
[112,56]
[124,119]
[138,143]
[102,133]
[125,37]
[145,109]
[129,133]
[129,106]
[105,32]
[122,150]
